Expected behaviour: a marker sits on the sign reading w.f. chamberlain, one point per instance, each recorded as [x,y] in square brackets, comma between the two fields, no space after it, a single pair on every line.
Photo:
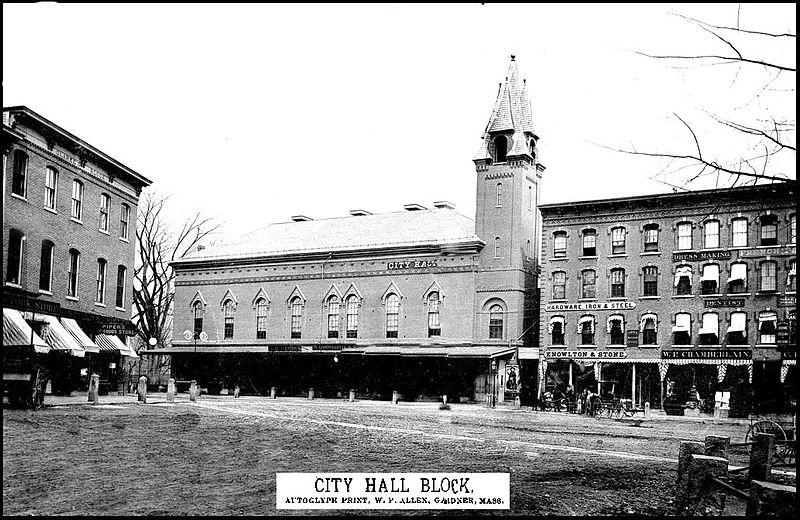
[707,354]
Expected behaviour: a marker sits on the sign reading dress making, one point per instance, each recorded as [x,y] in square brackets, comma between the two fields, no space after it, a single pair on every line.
[590,306]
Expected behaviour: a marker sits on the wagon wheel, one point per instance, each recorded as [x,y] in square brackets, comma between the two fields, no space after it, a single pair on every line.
[781,448]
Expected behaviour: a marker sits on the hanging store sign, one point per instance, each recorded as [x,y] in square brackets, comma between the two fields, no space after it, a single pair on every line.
[579,354]
[124,328]
[725,302]
[782,333]
[632,338]
[23,303]
[703,255]
[787,301]
[411,264]
[769,251]
[707,354]
[590,306]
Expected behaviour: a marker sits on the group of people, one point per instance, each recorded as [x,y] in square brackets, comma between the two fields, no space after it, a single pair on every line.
[587,402]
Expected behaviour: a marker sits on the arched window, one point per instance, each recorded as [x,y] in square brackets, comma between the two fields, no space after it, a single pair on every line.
[528,251]
[556,330]
[434,325]
[199,310]
[737,281]
[297,317]
[105,203]
[19,180]
[124,218]
[352,316]
[739,232]
[77,199]
[14,263]
[650,276]
[711,234]
[46,267]
[495,322]
[499,194]
[500,148]
[709,332]
[497,247]
[100,297]
[682,330]
[615,326]
[769,276]
[651,237]
[710,279]
[618,241]
[333,317]
[684,235]
[588,284]
[50,187]
[559,285]
[737,330]
[589,242]
[649,329]
[683,280]
[560,244]
[586,330]
[769,230]
[392,315]
[122,272]
[228,310]
[767,322]
[261,318]
[72,273]
[617,283]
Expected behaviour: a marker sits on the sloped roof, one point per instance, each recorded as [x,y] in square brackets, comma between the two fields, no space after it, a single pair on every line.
[433,227]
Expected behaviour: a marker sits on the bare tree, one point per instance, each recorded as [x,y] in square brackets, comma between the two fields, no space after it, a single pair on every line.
[759,148]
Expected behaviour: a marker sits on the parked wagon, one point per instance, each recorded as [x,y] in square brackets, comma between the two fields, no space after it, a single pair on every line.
[782,426]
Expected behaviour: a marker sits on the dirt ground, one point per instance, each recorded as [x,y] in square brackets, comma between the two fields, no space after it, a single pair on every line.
[220,456]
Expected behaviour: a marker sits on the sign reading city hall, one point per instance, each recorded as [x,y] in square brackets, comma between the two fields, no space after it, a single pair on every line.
[411,264]
[590,306]
[707,354]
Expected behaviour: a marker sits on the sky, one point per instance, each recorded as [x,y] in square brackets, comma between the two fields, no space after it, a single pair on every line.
[250,114]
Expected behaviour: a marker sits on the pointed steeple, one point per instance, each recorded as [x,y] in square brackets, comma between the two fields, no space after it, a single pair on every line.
[511,115]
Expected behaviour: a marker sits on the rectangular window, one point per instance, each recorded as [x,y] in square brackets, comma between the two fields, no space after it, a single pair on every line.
[46,267]
[228,327]
[769,276]
[709,332]
[684,236]
[198,327]
[560,245]
[711,234]
[618,241]
[651,238]
[710,279]
[105,202]
[261,327]
[683,280]
[120,300]
[558,334]
[617,283]
[559,285]
[589,285]
[737,283]
[769,231]
[124,216]
[682,329]
[739,232]
[767,322]
[100,297]
[72,274]
[792,229]
[19,182]
[50,183]
[650,281]
[352,317]
[14,262]
[737,331]
[77,199]
[589,243]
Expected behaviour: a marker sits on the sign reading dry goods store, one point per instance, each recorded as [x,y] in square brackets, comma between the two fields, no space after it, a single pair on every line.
[590,306]
[579,354]
[411,264]
[707,354]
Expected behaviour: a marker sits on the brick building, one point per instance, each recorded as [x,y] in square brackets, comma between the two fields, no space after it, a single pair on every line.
[661,293]
[424,302]
[69,217]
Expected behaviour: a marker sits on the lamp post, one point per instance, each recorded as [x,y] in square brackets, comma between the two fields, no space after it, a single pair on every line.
[493,384]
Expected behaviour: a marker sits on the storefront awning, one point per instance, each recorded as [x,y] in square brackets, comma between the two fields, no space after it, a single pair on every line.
[81,337]
[553,321]
[17,333]
[451,352]
[708,361]
[648,317]
[57,336]
[611,319]
[586,319]
[110,343]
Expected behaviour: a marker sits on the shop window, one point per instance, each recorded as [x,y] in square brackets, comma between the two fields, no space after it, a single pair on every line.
[19,180]
[711,234]
[769,230]
[261,318]
[684,235]
[682,330]
[14,262]
[46,267]
[650,274]
[617,283]
[50,187]
[333,317]
[351,309]
[737,330]
[105,203]
[586,330]
[651,237]
[588,284]
[769,276]
[297,317]
[683,280]
[618,241]
[434,325]
[616,329]
[72,273]
[392,315]
[766,327]
[709,332]
[100,297]
[709,282]
[500,148]
[737,282]
[560,244]
[199,311]
[495,322]
[559,285]
[556,330]
[122,272]
[228,310]
[739,230]
[589,242]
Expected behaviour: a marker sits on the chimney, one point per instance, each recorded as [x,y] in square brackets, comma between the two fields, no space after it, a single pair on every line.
[443,204]
[414,207]
[301,218]
[359,212]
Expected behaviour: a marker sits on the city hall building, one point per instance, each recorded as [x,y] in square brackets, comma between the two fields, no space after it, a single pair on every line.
[69,217]
[424,301]
[654,295]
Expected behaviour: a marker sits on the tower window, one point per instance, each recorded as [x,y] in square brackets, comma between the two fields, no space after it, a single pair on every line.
[500,148]
[496,322]
[497,247]
[499,192]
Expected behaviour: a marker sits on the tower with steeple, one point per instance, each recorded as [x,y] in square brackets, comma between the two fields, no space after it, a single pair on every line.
[506,216]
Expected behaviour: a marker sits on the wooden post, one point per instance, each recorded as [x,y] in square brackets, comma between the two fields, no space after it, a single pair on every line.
[395,396]
[171,391]
[94,389]
[761,454]
[273,392]
[352,395]
[236,391]
[633,384]
[685,452]
[194,391]
[570,372]
[599,375]
[142,389]
[311,393]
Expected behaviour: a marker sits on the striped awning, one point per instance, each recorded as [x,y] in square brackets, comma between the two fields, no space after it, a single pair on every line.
[58,338]
[17,333]
[708,361]
[108,343]
[80,336]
